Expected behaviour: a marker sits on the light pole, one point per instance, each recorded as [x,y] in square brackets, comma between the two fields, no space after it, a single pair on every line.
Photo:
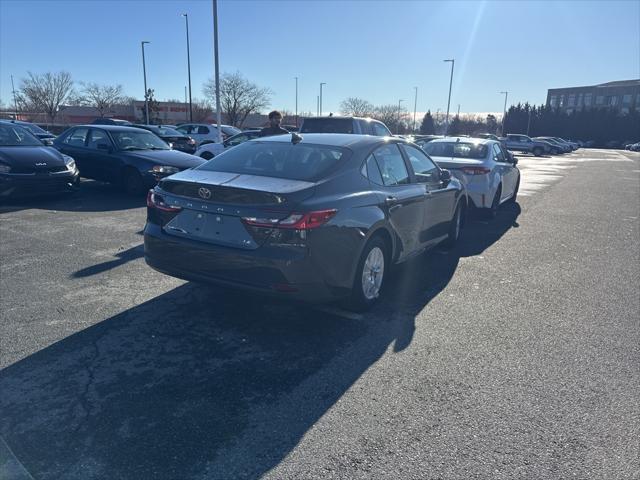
[458,114]
[317,105]
[504,112]
[296,101]
[217,70]
[320,107]
[186,21]
[398,127]
[415,107]
[144,72]
[185,102]
[453,62]
[15,102]
[529,122]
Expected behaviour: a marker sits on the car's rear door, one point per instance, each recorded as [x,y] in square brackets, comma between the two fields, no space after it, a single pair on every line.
[75,145]
[404,199]
[101,155]
[440,198]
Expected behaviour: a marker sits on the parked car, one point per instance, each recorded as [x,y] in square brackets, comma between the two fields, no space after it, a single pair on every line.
[28,167]
[208,149]
[43,135]
[351,125]
[635,147]
[175,139]
[131,157]
[111,121]
[290,128]
[485,168]
[316,217]
[487,136]
[206,131]
[525,144]
[571,146]
[422,140]
[557,147]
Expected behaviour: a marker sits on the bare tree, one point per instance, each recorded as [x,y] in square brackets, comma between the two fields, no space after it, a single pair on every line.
[238,97]
[46,92]
[357,107]
[101,97]
[396,120]
[201,110]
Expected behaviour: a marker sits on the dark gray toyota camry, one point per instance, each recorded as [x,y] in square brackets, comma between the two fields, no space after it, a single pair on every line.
[316,218]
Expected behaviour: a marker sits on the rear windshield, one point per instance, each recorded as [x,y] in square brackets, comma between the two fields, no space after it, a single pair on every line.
[327,125]
[231,131]
[280,160]
[456,150]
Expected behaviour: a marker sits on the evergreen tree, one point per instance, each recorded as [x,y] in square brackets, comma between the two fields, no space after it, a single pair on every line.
[427,127]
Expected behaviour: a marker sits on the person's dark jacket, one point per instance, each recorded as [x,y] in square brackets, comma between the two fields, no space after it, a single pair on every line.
[270,131]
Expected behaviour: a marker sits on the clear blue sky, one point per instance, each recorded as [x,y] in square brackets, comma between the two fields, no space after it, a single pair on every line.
[375,50]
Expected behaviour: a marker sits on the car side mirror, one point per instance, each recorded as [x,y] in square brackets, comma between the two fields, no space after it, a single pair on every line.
[48,142]
[104,147]
[445,176]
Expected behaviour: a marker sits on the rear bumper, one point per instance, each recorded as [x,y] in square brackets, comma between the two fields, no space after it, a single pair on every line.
[34,185]
[274,271]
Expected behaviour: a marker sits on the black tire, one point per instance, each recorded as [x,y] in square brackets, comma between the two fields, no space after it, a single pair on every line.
[491,212]
[537,151]
[132,182]
[455,228]
[514,197]
[359,301]
[207,155]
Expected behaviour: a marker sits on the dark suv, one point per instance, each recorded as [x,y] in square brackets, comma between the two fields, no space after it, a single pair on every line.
[355,125]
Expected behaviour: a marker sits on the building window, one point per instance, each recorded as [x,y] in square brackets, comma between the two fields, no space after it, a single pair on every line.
[599,100]
[561,101]
[587,99]
[579,99]
[626,99]
[553,101]
[613,101]
[638,100]
[571,101]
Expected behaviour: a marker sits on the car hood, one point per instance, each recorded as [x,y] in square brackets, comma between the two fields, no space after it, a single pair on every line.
[171,158]
[29,156]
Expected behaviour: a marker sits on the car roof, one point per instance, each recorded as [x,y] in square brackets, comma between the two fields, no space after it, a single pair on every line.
[111,128]
[333,139]
[339,117]
[483,141]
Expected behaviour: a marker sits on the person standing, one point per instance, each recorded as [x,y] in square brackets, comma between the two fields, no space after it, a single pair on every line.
[274,128]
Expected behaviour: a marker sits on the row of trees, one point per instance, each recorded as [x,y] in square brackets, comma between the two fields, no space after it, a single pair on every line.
[48,93]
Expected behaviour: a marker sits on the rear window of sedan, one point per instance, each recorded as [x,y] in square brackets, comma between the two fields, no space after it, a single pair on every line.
[476,151]
[280,160]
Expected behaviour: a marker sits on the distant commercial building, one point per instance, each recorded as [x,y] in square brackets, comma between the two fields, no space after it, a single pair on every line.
[620,96]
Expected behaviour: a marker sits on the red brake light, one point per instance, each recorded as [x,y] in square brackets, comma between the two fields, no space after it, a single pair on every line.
[475,170]
[156,201]
[295,221]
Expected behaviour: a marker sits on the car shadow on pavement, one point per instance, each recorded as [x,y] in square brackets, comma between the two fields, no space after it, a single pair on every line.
[202,382]
[92,196]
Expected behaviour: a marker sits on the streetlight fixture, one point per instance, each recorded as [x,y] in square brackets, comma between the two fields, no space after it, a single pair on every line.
[453,62]
[146,96]
[398,127]
[296,101]
[504,112]
[320,101]
[216,67]
[415,107]
[186,21]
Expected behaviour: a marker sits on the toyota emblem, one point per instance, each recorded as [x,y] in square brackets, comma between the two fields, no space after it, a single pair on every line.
[204,193]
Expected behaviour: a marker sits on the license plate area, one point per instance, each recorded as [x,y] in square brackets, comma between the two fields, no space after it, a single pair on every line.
[211,228]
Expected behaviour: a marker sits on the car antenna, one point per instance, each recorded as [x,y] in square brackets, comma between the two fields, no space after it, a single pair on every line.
[295,138]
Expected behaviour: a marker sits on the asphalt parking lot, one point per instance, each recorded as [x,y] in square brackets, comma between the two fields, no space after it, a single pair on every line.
[515,355]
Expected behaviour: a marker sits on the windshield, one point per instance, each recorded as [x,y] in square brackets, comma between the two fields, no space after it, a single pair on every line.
[280,160]
[476,151]
[169,132]
[231,131]
[14,136]
[141,140]
[327,125]
[32,128]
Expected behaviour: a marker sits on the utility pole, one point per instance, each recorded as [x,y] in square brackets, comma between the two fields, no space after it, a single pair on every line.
[398,127]
[296,101]
[415,107]
[185,102]
[458,114]
[146,92]
[317,105]
[453,62]
[217,70]
[504,112]
[321,84]
[15,102]
[186,19]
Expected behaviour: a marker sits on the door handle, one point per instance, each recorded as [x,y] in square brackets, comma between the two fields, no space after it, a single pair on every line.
[391,200]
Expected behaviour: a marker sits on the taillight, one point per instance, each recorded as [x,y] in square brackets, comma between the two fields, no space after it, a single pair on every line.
[295,221]
[475,170]
[156,201]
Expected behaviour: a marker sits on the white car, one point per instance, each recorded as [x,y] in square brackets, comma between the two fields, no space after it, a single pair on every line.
[208,150]
[206,131]
[485,168]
